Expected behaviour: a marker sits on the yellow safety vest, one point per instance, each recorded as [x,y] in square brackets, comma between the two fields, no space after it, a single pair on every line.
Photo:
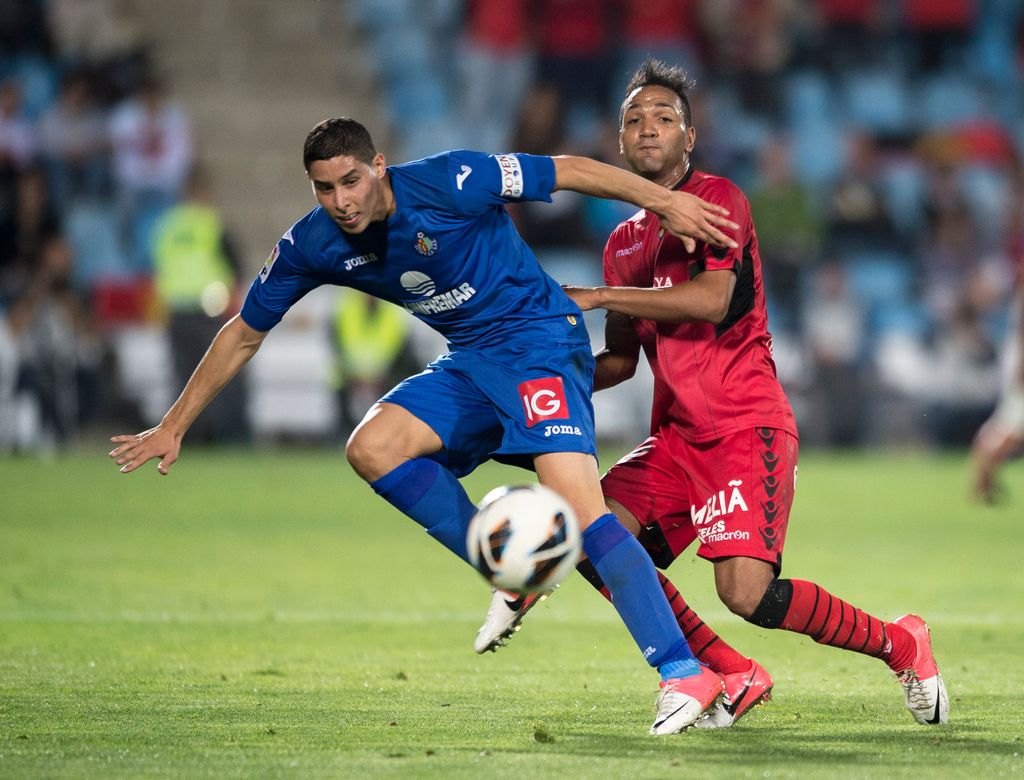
[188,257]
[368,341]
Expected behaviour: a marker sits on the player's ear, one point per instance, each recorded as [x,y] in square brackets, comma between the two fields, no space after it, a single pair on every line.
[691,138]
[379,164]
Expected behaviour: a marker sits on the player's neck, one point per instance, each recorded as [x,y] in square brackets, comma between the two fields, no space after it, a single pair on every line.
[389,197]
[674,176]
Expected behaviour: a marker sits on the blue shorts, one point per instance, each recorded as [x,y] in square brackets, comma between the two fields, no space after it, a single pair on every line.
[481,409]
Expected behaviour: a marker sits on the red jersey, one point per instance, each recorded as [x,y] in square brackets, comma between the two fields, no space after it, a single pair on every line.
[709,380]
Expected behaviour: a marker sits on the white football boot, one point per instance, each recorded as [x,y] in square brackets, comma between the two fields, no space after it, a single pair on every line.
[504,616]
[922,684]
[683,700]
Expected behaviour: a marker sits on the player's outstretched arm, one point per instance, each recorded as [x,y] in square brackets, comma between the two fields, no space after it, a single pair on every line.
[683,214]
[705,298]
[229,351]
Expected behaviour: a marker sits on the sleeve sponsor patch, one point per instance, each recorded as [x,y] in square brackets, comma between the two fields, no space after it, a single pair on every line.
[267,266]
[511,175]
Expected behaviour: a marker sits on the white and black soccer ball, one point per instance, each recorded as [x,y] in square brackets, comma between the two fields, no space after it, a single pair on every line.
[524,539]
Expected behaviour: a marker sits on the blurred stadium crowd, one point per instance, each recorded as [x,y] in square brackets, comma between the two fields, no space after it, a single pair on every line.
[879,142]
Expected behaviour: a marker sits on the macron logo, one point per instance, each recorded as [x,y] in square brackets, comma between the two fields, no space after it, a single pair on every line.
[461,177]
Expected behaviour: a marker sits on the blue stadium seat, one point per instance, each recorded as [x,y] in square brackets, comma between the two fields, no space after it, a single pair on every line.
[987,192]
[876,100]
[808,97]
[879,277]
[818,152]
[904,188]
[947,99]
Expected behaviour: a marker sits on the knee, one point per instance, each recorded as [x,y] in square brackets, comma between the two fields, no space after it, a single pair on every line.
[368,451]
[741,598]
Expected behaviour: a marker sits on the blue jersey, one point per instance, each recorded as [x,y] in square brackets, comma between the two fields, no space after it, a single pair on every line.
[449,254]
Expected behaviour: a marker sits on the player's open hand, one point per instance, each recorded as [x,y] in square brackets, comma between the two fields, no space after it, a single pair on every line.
[693,219]
[586,298]
[132,451]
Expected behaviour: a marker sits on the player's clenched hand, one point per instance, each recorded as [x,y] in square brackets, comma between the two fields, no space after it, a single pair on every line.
[586,298]
[693,219]
[132,451]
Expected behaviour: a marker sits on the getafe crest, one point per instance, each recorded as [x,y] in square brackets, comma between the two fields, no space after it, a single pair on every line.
[425,245]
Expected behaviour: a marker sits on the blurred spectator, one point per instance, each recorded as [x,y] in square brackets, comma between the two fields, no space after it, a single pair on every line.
[30,223]
[850,33]
[574,40]
[938,32]
[371,340]
[196,272]
[752,43]
[834,327]
[664,29]
[540,129]
[73,138]
[857,216]
[789,230]
[152,153]
[952,257]
[56,350]
[497,51]
[91,31]
[965,376]
[17,141]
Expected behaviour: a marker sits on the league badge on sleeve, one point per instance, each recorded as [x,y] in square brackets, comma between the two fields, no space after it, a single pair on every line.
[267,266]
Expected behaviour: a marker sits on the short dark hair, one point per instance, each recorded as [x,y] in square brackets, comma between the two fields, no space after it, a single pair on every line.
[655,73]
[338,137]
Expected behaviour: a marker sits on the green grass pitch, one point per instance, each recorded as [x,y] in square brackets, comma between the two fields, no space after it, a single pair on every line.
[264,614]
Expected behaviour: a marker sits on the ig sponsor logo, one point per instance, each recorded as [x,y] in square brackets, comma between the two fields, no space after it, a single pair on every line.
[544,399]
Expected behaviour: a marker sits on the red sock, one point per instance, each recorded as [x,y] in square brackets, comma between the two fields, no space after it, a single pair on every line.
[829,620]
[706,645]
[709,648]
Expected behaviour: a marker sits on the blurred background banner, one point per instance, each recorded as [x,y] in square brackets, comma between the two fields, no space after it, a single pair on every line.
[150,158]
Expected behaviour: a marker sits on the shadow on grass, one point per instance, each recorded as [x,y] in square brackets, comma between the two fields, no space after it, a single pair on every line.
[794,746]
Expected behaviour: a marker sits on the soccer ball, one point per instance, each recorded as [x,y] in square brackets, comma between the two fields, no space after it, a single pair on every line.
[524,539]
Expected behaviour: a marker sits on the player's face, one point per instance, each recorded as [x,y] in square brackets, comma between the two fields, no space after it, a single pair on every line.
[352,192]
[654,137]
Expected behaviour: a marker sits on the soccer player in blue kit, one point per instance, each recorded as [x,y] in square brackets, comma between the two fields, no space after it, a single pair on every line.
[433,236]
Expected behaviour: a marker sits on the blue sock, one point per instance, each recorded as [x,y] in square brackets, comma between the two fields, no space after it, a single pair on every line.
[629,575]
[431,495]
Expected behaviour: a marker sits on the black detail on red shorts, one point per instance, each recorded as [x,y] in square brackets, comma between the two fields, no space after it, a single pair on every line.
[770,508]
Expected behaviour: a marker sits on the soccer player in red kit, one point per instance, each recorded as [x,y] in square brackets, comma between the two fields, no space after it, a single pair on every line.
[720,464]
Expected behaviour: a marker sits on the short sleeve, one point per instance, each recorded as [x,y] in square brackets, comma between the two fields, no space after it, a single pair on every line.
[279,285]
[723,192]
[611,273]
[472,182]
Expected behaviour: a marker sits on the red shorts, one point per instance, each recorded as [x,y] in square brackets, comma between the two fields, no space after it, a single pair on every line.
[733,493]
